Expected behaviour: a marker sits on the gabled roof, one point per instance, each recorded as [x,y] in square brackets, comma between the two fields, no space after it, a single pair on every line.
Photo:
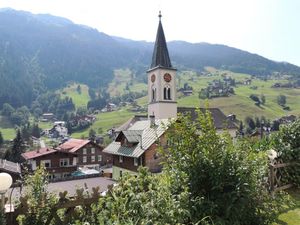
[146,134]
[9,166]
[37,153]
[131,121]
[160,57]
[132,136]
[41,152]
[220,120]
[73,145]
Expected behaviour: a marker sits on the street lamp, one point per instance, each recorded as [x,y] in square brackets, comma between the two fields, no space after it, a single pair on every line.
[5,183]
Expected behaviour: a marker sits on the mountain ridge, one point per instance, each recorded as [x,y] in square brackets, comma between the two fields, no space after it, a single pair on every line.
[40,52]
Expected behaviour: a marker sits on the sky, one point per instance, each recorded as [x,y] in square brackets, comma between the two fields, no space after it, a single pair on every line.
[270,28]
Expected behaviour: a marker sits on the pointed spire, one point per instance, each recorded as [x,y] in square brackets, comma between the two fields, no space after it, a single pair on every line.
[160,53]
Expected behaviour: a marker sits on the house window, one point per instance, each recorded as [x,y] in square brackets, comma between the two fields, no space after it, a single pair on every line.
[46,163]
[84,159]
[141,160]
[120,158]
[84,151]
[92,150]
[64,162]
[135,161]
[99,158]
[93,158]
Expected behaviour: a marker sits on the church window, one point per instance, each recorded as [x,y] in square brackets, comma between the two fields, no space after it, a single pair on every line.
[167,93]
[153,94]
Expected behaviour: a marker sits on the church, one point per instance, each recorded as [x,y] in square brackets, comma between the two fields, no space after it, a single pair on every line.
[137,140]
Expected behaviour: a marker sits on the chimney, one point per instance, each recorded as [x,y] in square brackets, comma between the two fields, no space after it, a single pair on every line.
[152,120]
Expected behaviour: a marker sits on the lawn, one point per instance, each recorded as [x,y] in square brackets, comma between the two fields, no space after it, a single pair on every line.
[105,121]
[292,215]
[80,99]
[7,129]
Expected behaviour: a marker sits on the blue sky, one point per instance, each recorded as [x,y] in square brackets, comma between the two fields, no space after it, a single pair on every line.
[267,27]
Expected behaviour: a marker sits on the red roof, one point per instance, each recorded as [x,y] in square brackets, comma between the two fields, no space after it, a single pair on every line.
[37,153]
[40,152]
[73,145]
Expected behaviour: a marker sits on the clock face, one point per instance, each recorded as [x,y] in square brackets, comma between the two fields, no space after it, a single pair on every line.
[167,77]
[153,78]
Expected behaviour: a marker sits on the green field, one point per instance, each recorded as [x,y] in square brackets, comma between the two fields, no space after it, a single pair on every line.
[124,82]
[105,121]
[79,99]
[240,103]
[292,214]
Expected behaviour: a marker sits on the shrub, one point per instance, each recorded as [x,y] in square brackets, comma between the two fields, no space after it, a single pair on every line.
[287,143]
[225,182]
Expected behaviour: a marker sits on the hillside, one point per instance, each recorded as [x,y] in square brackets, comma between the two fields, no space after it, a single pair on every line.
[44,52]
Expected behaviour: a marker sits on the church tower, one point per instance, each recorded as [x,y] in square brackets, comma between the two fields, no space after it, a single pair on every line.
[161,80]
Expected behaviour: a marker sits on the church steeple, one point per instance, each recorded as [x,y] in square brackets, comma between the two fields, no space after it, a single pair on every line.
[161,80]
[160,56]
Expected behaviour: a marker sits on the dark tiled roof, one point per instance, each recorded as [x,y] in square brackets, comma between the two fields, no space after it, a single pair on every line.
[160,56]
[220,120]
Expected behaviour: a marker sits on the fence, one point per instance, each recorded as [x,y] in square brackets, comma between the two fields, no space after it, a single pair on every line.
[278,175]
[69,206]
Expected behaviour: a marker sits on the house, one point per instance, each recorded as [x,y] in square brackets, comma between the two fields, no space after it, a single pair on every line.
[13,169]
[57,163]
[137,146]
[89,154]
[137,139]
[47,116]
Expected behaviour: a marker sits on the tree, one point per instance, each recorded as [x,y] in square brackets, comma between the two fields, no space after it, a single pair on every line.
[36,132]
[92,134]
[7,109]
[78,89]
[250,122]
[14,154]
[281,100]
[39,200]
[263,99]
[1,139]
[224,180]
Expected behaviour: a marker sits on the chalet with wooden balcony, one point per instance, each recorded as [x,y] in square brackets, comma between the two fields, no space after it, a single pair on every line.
[58,163]
[89,154]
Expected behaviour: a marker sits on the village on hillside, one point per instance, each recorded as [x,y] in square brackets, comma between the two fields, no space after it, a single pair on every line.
[80,170]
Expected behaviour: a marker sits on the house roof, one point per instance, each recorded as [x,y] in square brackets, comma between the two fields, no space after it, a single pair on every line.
[160,56]
[73,145]
[133,136]
[9,166]
[41,152]
[37,153]
[220,120]
[131,121]
[144,133]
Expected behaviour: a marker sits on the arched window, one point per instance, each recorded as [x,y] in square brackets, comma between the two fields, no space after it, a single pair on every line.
[167,93]
[153,99]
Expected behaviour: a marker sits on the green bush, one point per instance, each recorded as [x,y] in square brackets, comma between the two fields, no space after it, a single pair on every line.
[225,181]
[141,199]
[287,144]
